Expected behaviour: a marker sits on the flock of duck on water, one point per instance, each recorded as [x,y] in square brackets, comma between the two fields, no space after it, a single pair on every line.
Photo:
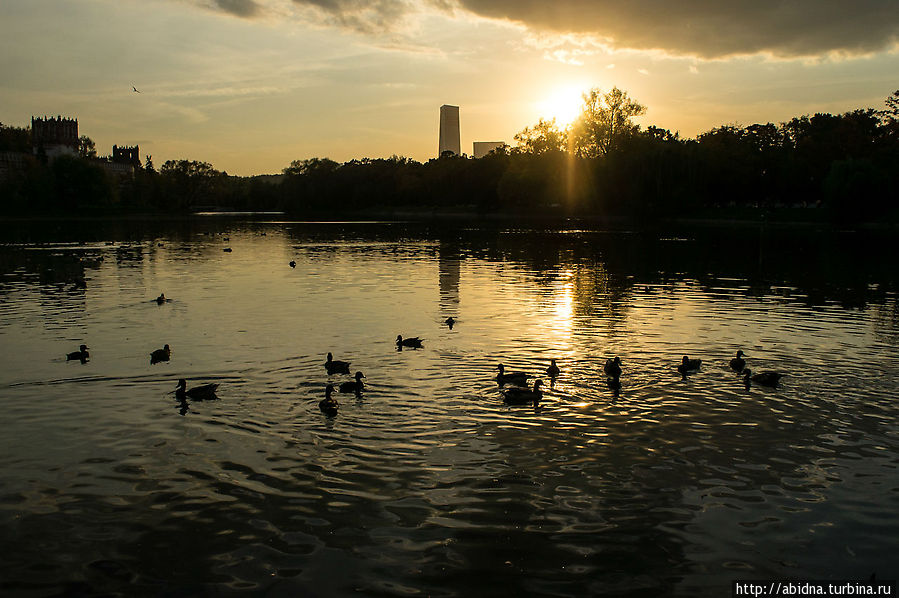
[514,385]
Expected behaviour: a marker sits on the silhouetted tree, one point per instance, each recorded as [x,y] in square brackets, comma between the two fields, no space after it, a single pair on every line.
[15,139]
[86,147]
[544,137]
[605,120]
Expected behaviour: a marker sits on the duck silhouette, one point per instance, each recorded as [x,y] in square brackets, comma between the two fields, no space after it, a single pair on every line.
[770,379]
[329,404]
[158,355]
[204,392]
[292,264]
[612,368]
[688,365]
[738,363]
[553,370]
[337,367]
[504,377]
[81,354]
[355,386]
[161,299]
[450,322]
[517,395]
[412,343]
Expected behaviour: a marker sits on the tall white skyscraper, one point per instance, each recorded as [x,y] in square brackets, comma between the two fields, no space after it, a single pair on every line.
[449,130]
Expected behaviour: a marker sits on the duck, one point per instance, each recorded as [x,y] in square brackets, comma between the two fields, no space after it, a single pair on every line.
[204,392]
[292,264]
[161,299]
[612,368]
[329,404]
[450,322]
[227,250]
[337,367]
[158,355]
[353,386]
[764,378]
[738,363]
[81,354]
[414,342]
[517,395]
[519,378]
[689,365]
[553,370]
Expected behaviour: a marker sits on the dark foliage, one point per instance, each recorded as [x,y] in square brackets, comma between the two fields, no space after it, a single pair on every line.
[847,165]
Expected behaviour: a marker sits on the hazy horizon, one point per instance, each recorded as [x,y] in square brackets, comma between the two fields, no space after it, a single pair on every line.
[250,85]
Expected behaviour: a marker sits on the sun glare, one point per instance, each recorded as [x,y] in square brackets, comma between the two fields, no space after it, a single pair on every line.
[564,105]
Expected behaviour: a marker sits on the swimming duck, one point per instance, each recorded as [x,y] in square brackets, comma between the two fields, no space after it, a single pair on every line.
[450,322]
[160,355]
[329,404]
[612,368]
[764,378]
[738,363]
[516,395]
[81,354]
[503,377]
[337,367]
[161,299]
[689,365]
[204,392]
[553,370]
[227,250]
[414,342]
[293,264]
[353,386]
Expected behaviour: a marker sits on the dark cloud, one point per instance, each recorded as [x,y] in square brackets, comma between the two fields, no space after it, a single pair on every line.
[712,28]
[368,16]
[239,8]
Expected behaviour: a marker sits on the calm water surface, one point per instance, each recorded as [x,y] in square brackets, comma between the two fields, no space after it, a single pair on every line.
[426,484]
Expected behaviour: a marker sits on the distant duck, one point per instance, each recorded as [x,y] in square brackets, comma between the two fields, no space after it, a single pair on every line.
[517,395]
[161,299]
[450,322]
[738,363]
[413,343]
[612,368]
[293,264]
[329,404]
[158,355]
[337,367]
[553,370]
[764,378]
[81,354]
[227,250]
[204,392]
[504,377]
[353,386]
[689,365]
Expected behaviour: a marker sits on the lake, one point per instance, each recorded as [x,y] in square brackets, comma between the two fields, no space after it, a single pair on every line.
[426,484]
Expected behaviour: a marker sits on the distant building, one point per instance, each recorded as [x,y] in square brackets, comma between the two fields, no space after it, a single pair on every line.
[53,137]
[482,148]
[449,131]
[126,155]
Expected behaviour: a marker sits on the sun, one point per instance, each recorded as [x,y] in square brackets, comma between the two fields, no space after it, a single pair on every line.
[563,104]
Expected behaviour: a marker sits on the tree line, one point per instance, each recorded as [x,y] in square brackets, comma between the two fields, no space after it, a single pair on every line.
[602,166]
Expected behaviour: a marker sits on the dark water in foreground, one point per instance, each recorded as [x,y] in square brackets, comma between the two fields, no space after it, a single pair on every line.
[426,484]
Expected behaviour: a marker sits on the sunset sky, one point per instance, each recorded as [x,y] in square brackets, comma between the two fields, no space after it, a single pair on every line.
[249,85]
